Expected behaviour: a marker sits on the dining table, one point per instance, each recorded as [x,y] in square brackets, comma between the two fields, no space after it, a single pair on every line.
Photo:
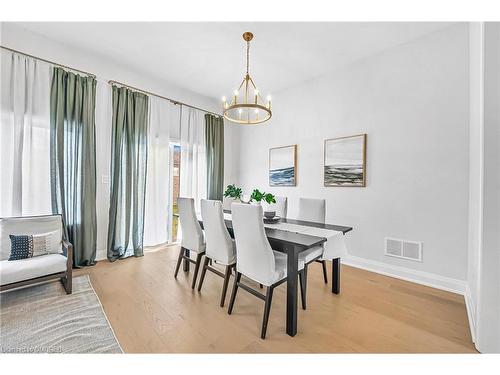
[293,243]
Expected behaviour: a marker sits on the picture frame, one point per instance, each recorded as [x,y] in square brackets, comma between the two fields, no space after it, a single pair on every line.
[283,166]
[344,161]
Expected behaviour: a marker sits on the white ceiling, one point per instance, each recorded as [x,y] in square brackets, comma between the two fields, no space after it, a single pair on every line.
[209,58]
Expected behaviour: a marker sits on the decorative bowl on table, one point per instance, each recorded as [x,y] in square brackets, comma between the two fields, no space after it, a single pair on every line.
[269,214]
[271,220]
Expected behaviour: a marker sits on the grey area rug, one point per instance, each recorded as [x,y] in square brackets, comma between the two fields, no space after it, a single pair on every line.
[43,319]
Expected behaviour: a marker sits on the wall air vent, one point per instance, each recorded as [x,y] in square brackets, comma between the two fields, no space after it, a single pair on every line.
[405,249]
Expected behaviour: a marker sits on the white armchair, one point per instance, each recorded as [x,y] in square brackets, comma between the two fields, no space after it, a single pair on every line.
[56,264]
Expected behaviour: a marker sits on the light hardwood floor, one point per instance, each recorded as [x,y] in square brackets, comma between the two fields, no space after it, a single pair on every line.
[151,312]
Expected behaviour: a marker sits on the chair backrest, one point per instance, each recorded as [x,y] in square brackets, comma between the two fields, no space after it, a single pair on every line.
[226,203]
[312,210]
[281,206]
[219,245]
[254,256]
[192,235]
[31,225]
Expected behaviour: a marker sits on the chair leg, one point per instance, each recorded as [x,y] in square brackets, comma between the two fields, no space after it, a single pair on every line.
[179,260]
[267,310]
[203,272]
[196,269]
[303,286]
[227,276]
[185,267]
[336,276]
[325,275]
[233,293]
[67,282]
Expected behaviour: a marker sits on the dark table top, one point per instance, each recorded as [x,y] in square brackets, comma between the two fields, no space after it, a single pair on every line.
[280,239]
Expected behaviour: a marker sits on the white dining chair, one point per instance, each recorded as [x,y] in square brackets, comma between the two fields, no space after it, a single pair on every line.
[313,210]
[192,236]
[256,259]
[220,248]
[226,203]
[281,206]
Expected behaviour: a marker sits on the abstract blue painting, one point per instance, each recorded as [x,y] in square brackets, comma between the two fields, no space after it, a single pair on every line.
[282,166]
[345,161]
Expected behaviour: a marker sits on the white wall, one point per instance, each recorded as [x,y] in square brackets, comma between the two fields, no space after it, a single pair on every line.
[23,40]
[412,101]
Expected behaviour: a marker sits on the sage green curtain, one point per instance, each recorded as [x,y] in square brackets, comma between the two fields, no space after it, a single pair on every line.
[128,173]
[214,142]
[72,160]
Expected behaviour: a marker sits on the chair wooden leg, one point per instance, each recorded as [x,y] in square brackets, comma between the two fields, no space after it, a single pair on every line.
[267,310]
[196,269]
[227,276]
[203,272]
[68,279]
[303,286]
[336,276]
[179,260]
[325,275]
[67,282]
[233,293]
[185,267]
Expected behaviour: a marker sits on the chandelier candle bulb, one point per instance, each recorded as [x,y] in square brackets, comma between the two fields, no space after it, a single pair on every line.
[268,102]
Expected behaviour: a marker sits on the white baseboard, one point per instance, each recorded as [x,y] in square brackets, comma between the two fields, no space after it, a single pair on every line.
[471,313]
[420,277]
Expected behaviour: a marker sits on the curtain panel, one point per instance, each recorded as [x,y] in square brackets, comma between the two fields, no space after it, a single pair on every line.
[193,171]
[128,173]
[72,160]
[214,141]
[24,136]
[163,115]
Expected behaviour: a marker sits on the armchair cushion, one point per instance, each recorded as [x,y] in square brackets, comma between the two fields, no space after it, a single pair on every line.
[25,269]
[49,225]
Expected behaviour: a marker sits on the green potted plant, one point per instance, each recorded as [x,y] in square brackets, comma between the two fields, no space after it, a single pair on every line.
[233,191]
[259,196]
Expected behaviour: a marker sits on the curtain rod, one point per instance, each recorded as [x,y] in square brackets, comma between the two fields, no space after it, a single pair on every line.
[48,61]
[111,82]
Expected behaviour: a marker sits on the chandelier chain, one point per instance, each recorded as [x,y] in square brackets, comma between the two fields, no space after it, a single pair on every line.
[248,54]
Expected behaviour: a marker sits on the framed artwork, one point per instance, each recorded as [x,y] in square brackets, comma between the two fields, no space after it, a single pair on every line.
[345,161]
[283,166]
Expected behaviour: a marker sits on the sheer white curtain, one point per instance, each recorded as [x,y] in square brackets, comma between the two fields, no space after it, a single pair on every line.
[24,136]
[193,174]
[162,116]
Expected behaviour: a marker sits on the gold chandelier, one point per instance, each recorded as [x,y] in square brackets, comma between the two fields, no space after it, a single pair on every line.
[247,106]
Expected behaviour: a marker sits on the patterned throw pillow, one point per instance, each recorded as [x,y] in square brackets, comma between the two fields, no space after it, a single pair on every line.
[41,243]
[21,247]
